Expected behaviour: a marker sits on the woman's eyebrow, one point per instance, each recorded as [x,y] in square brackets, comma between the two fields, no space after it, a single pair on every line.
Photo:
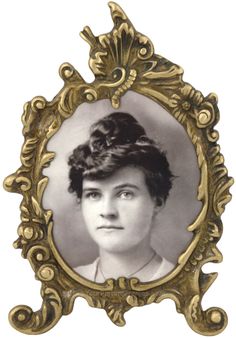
[90,189]
[126,185]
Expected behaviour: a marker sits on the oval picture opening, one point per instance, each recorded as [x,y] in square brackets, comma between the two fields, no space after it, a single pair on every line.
[123,189]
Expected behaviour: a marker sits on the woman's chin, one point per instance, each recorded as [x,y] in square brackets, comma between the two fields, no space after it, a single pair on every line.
[116,246]
[112,245]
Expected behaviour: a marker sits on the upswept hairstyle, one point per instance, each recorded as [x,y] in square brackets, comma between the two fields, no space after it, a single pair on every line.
[115,141]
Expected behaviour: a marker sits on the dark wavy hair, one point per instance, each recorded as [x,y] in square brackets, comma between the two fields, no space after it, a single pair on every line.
[115,141]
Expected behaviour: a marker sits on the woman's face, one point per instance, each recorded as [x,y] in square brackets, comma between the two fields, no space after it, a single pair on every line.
[118,210]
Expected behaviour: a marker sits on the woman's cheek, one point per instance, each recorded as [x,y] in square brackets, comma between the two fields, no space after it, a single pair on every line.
[88,213]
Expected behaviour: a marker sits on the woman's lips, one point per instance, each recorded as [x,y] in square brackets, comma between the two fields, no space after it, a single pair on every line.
[116,227]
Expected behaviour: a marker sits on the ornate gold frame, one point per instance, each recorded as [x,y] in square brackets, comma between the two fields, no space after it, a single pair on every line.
[120,60]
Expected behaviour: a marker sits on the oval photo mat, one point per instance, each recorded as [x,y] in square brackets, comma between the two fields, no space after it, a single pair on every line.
[170,236]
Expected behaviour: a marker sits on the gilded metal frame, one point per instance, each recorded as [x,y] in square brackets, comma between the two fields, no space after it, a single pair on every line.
[121,60]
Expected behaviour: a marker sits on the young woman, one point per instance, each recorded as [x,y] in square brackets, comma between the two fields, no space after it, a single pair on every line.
[122,180]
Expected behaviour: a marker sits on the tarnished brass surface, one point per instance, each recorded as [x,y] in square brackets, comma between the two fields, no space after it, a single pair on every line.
[121,60]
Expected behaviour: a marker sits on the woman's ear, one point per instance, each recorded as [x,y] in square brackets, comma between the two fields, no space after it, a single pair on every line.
[159,205]
[78,206]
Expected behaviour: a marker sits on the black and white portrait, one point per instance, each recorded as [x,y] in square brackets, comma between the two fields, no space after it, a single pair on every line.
[123,190]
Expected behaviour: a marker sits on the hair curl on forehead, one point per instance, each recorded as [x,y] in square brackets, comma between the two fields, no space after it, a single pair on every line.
[116,141]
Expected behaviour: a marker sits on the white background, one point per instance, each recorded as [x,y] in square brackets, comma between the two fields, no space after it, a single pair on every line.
[36,38]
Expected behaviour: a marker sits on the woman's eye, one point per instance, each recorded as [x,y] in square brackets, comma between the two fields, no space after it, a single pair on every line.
[94,196]
[126,195]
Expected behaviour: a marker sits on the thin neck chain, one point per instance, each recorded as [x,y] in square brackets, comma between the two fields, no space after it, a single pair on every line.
[130,275]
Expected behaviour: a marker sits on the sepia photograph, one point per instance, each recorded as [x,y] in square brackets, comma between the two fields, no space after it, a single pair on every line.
[123,190]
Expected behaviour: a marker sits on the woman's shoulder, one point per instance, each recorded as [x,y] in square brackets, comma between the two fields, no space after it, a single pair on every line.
[88,271]
[167,265]
[164,268]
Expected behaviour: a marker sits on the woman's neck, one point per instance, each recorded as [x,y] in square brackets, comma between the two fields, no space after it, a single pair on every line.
[117,264]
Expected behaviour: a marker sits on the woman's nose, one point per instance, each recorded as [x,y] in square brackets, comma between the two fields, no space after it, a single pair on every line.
[108,209]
